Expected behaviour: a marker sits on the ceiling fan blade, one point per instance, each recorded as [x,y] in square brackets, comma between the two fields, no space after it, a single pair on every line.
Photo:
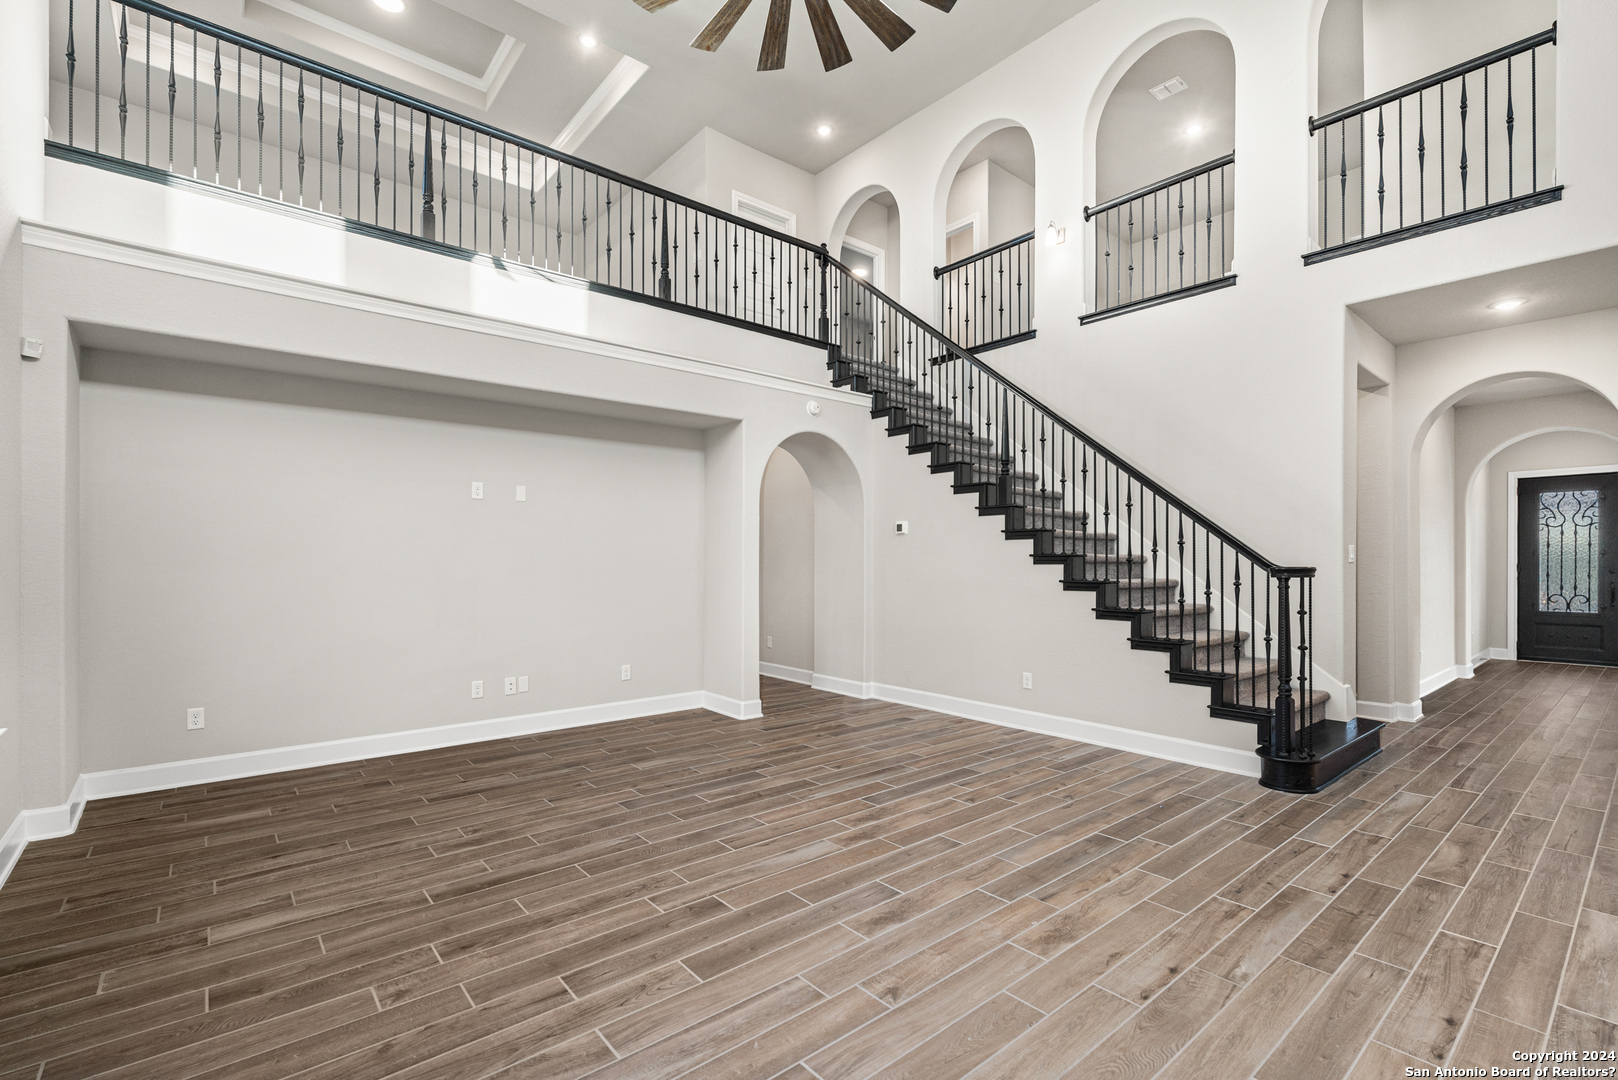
[772,56]
[889,29]
[941,5]
[654,5]
[719,27]
[828,36]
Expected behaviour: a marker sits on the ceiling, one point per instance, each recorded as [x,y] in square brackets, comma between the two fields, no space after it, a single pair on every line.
[1569,286]
[1142,140]
[553,75]
[1010,148]
[1520,390]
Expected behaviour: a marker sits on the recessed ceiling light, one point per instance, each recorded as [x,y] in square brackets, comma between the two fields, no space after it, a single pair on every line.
[860,271]
[823,130]
[1507,304]
[584,39]
[393,6]
[1193,130]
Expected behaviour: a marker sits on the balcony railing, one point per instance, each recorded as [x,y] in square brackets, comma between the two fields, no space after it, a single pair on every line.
[1165,241]
[243,119]
[1465,144]
[987,300]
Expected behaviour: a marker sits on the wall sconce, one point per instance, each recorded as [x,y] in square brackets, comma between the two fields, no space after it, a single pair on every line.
[1054,236]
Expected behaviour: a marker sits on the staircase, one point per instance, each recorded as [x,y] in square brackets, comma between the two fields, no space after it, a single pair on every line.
[1227,618]
[1205,641]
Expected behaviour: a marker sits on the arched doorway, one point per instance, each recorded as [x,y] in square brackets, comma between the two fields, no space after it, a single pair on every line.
[812,587]
[986,281]
[1162,225]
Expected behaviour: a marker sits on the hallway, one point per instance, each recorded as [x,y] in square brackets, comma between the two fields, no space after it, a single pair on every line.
[841,889]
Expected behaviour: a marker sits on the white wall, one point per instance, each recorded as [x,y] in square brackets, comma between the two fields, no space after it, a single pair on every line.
[786,565]
[712,165]
[1003,204]
[878,226]
[1406,40]
[303,559]
[1437,475]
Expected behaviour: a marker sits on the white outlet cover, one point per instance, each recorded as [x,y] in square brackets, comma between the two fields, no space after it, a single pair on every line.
[769,642]
[511,684]
[522,684]
[522,493]
[194,719]
[477,689]
[1028,680]
[626,673]
[477,489]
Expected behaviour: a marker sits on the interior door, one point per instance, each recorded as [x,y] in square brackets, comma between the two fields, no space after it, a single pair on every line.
[1567,568]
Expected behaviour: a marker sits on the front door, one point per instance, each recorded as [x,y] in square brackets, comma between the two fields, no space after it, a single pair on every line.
[1567,568]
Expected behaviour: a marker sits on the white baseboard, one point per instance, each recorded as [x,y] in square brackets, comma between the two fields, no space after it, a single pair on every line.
[846,687]
[1169,747]
[41,824]
[1491,654]
[62,820]
[790,674]
[1440,679]
[1391,712]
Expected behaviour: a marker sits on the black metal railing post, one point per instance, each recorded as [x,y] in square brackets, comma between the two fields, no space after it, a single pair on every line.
[1282,718]
[823,327]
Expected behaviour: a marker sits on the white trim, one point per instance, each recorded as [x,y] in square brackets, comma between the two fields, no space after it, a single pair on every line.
[1391,712]
[1440,679]
[968,222]
[878,257]
[847,687]
[72,242]
[762,213]
[1490,654]
[790,674]
[480,83]
[1511,539]
[1168,747]
[618,82]
[41,824]
[734,708]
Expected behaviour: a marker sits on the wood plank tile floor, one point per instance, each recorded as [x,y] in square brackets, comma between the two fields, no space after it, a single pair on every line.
[842,889]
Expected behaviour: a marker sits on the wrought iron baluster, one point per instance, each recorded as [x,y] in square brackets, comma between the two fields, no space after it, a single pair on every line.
[1464,162]
[218,102]
[123,65]
[72,63]
[1381,177]
[98,79]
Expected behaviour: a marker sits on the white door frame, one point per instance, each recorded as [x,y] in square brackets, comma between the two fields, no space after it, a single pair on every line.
[879,267]
[1511,542]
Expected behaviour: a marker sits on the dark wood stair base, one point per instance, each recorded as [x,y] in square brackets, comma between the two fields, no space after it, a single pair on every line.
[1126,590]
[1336,747]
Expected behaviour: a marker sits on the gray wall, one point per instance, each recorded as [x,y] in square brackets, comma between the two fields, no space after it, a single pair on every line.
[302,557]
[786,565]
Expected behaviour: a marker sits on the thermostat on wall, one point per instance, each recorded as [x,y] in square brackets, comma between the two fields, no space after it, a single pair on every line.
[902,528]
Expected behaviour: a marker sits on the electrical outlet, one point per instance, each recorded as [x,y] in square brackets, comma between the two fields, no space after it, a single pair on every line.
[1028,680]
[511,684]
[477,689]
[477,489]
[193,719]
[769,642]
[522,493]
[522,684]
[625,675]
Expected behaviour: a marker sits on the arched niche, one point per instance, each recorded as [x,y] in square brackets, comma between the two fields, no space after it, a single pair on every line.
[866,237]
[817,585]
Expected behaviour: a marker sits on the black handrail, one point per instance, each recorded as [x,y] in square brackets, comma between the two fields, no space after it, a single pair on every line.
[940,271]
[1465,67]
[461,120]
[1160,185]
[1079,499]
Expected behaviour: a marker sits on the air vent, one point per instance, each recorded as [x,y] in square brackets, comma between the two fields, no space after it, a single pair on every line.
[1168,89]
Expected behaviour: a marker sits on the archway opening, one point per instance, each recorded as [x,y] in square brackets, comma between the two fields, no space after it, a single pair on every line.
[812,566]
[986,284]
[870,243]
[1163,220]
[1472,463]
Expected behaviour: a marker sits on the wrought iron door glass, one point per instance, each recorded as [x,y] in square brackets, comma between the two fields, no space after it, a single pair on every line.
[1569,551]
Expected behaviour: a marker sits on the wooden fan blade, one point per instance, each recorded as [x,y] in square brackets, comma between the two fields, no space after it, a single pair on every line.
[941,5]
[889,29]
[719,27]
[833,49]
[772,56]
[654,5]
